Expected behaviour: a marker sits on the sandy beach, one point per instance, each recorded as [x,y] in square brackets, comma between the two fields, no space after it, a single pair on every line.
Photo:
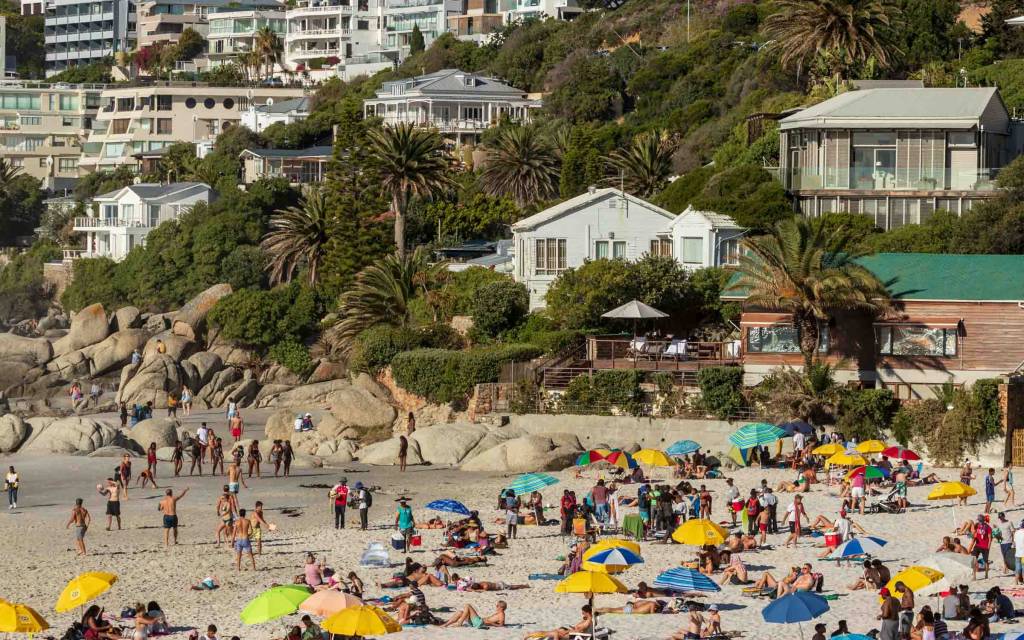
[39,556]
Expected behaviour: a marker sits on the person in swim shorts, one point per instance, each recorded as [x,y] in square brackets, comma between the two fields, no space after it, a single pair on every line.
[240,535]
[80,518]
[169,508]
[470,618]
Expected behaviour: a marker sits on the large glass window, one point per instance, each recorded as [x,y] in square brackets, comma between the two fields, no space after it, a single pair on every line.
[874,160]
[601,249]
[782,338]
[729,252]
[113,150]
[550,256]
[19,101]
[619,250]
[912,340]
[693,250]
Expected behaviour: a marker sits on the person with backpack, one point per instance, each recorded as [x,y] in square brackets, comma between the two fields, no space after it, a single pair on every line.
[364,500]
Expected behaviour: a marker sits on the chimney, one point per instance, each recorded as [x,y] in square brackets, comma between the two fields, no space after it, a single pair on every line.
[592,189]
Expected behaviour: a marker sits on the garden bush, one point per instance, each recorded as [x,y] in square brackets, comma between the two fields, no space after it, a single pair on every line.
[293,356]
[498,307]
[605,393]
[442,375]
[720,390]
[914,420]
[264,318]
[865,413]
[540,330]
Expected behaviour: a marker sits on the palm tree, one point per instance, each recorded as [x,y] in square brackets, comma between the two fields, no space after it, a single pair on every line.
[802,269]
[8,172]
[382,294]
[521,165]
[268,45]
[852,30]
[644,166]
[299,235]
[409,162]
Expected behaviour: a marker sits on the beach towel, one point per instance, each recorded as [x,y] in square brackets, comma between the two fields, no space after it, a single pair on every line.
[545,576]
[633,526]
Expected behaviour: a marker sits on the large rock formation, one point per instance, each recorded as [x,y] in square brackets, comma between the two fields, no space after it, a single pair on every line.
[115,351]
[452,443]
[74,435]
[125,318]
[307,395]
[150,381]
[191,318]
[199,369]
[386,453]
[525,454]
[13,431]
[34,351]
[162,431]
[360,408]
[178,347]
[88,327]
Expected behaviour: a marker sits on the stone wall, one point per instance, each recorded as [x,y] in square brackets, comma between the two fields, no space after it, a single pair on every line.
[623,431]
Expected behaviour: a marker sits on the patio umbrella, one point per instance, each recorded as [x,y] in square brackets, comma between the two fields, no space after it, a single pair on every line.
[529,482]
[682,448]
[20,618]
[590,583]
[864,546]
[846,460]
[869,473]
[84,588]
[449,506]
[830,449]
[621,459]
[611,560]
[328,602]
[951,491]
[756,434]
[364,620]
[611,543]
[274,603]
[793,426]
[685,580]
[916,578]
[798,607]
[589,457]
[871,446]
[955,567]
[653,458]
[699,532]
[899,453]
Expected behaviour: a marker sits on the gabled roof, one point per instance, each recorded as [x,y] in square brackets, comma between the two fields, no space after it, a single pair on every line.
[308,152]
[716,220]
[448,81]
[583,201]
[158,193]
[301,105]
[945,277]
[920,108]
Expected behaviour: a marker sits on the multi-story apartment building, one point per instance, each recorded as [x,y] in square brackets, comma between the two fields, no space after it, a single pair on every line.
[232,33]
[478,19]
[334,33]
[897,155]
[42,127]
[164,20]
[84,31]
[540,9]
[458,104]
[401,16]
[135,120]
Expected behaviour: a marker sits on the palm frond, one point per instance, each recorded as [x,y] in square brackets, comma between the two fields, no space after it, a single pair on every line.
[298,237]
[521,165]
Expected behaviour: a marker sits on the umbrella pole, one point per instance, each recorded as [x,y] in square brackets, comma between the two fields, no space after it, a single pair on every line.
[593,619]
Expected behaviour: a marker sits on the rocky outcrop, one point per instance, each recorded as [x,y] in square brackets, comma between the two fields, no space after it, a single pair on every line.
[200,368]
[150,381]
[178,347]
[524,454]
[230,353]
[74,435]
[88,327]
[386,453]
[358,407]
[115,351]
[305,396]
[125,318]
[32,351]
[13,432]
[190,320]
[327,370]
[452,443]
[162,431]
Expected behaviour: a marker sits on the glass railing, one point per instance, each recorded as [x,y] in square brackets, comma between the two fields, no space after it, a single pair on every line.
[857,179]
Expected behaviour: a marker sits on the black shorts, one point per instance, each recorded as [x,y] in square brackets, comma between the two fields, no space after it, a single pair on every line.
[792,527]
[170,522]
[980,553]
[113,507]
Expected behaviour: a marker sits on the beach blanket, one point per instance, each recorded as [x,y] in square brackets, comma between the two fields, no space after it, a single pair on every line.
[633,526]
[545,576]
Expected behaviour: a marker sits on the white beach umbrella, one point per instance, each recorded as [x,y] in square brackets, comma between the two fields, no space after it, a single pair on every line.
[955,568]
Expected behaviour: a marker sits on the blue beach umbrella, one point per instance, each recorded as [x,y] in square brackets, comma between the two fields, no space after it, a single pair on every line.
[866,546]
[449,506]
[529,482]
[793,426]
[756,434]
[685,580]
[1008,635]
[682,448]
[616,556]
[798,607]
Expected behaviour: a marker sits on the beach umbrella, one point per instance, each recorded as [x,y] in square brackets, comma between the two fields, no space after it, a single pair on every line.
[449,506]
[364,620]
[616,557]
[529,482]
[84,588]
[590,583]
[621,459]
[899,453]
[951,491]
[611,543]
[682,448]
[685,580]
[634,310]
[871,446]
[846,460]
[740,456]
[869,473]
[589,457]
[955,568]
[329,602]
[916,578]
[865,546]
[799,607]
[20,618]
[699,532]
[1008,635]
[756,434]
[275,602]
[852,636]
[830,449]
[653,458]
[793,426]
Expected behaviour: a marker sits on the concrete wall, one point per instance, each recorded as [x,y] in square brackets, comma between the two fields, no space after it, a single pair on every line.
[623,431]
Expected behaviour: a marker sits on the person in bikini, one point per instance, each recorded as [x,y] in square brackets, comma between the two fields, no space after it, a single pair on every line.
[636,607]
[240,538]
[80,518]
[694,626]
[178,458]
[583,626]
[469,584]
[226,508]
[470,618]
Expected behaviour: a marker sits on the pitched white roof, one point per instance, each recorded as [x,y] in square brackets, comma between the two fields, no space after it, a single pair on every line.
[158,192]
[583,201]
[717,220]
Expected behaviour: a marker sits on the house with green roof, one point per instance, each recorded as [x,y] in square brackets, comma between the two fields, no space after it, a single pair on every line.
[955,319]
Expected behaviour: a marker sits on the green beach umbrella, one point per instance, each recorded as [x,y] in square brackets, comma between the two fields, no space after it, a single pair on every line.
[274,603]
[529,482]
[756,434]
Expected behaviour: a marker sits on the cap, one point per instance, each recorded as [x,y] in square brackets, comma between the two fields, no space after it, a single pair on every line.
[344,479]
[713,607]
[359,485]
[884,592]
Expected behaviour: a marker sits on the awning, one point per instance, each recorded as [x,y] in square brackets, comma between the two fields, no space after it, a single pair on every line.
[765,319]
[934,322]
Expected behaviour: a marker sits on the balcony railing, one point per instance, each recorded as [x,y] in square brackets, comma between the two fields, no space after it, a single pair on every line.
[449,125]
[322,9]
[898,179]
[96,223]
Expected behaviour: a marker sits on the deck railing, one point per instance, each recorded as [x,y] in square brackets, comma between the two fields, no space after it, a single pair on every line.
[616,352]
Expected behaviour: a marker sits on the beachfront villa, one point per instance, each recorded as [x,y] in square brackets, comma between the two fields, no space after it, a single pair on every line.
[299,166]
[897,154]
[608,223]
[261,116]
[124,218]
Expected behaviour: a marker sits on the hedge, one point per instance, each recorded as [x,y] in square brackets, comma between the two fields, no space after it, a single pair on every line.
[864,414]
[444,376]
[603,391]
[720,390]
[375,348]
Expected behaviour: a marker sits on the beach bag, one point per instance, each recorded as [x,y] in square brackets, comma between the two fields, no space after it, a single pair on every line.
[416,540]
[367,499]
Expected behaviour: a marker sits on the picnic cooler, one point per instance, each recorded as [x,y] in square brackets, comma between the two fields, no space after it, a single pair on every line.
[417,540]
[831,540]
[397,541]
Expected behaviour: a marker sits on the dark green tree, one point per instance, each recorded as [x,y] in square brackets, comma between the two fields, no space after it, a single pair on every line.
[1003,39]
[581,163]
[416,42]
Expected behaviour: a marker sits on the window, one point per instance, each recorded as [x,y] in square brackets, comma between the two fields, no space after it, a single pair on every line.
[119,126]
[781,338]
[42,163]
[163,103]
[619,250]
[190,103]
[67,121]
[31,144]
[693,250]
[229,103]
[661,247]
[961,138]
[472,113]
[17,162]
[127,211]
[19,101]
[729,252]
[125,104]
[911,340]
[67,164]
[113,150]
[163,126]
[550,256]
[110,212]
[209,103]
[601,250]
[30,120]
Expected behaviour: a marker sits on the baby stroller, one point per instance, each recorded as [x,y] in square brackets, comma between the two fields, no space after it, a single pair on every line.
[889,503]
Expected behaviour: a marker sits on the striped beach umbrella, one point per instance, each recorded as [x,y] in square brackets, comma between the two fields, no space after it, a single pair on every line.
[449,506]
[899,453]
[685,580]
[682,448]
[616,556]
[756,434]
[865,546]
[529,482]
[621,459]
[589,457]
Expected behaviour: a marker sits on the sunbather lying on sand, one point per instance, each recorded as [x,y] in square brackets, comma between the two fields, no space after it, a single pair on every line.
[450,559]
[583,626]
[470,618]
[469,584]
[639,607]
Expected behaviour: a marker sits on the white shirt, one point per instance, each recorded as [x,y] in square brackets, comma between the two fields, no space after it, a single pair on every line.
[732,494]
[11,479]
[791,510]
[1018,543]
[769,499]
[202,433]
[799,441]
[844,528]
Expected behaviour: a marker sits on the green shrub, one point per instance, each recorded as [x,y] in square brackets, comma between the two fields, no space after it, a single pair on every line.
[986,394]
[264,318]
[93,280]
[720,390]
[244,268]
[293,356]
[605,393]
[499,307]
[865,413]
[915,420]
[377,346]
[23,293]
[538,329]
[443,376]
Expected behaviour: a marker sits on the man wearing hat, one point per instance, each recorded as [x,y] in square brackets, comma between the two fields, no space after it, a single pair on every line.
[889,615]
[339,497]
[363,501]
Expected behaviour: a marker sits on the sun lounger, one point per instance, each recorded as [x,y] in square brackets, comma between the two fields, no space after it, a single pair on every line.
[601,633]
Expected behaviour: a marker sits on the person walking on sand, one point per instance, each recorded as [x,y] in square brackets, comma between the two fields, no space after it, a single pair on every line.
[990,489]
[169,508]
[226,508]
[216,455]
[235,477]
[287,455]
[11,482]
[240,536]
[112,492]
[403,451]
[255,458]
[151,460]
[339,499]
[172,405]
[124,474]
[203,436]
[405,523]
[196,451]
[80,518]
[259,523]
[1007,483]
[364,500]
[186,401]
[795,511]
[275,456]
[178,457]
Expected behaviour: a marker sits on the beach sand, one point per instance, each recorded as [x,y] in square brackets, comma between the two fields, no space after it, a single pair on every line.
[39,557]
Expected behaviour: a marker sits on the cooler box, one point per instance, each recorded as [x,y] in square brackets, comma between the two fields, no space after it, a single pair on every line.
[417,540]
[398,542]
[832,540]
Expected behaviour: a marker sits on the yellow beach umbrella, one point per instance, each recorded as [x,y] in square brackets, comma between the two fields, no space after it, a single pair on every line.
[589,583]
[871,446]
[20,618]
[653,458]
[699,533]
[846,460]
[915,577]
[951,491]
[364,620]
[829,449]
[83,589]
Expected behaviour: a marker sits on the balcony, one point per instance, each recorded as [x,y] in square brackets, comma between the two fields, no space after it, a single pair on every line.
[866,180]
[84,224]
[318,33]
[319,10]
[307,54]
[445,126]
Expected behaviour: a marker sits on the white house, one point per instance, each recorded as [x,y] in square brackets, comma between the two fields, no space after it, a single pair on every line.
[124,218]
[607,223]
[259,117]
